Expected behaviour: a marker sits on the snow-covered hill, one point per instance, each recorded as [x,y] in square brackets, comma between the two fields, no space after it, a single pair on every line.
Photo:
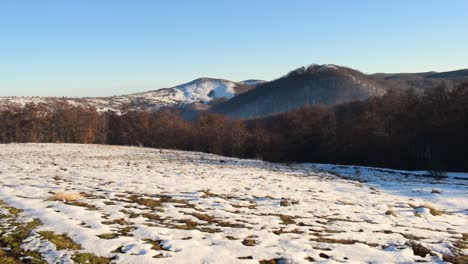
[202,90]
[139,205]
[199,90]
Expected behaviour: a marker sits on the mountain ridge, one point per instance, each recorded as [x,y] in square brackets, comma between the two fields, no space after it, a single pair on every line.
[251,98]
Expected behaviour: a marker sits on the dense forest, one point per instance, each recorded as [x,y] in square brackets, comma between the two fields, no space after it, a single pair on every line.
[401,129]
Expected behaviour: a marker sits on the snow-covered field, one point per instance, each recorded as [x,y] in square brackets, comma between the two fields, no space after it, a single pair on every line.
[138,205]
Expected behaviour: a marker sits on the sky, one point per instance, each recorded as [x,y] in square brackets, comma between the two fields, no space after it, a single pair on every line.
[112,47]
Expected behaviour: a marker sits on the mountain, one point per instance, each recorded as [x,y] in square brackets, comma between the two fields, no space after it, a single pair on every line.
[421,81]
[199,91]
[328,84]
[316,84]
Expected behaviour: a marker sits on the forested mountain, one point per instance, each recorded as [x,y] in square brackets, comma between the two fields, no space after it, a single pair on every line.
[316,84]
[422,81]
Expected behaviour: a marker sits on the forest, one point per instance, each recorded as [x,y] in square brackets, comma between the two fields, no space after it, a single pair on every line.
[402,129]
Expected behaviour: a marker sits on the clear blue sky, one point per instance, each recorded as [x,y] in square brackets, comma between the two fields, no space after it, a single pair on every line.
[107,47]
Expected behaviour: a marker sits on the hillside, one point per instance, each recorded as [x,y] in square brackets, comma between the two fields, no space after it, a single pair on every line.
[202,90]
[421,81]
[316,84]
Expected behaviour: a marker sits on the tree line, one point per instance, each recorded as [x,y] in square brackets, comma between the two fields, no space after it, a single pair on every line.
[401,129]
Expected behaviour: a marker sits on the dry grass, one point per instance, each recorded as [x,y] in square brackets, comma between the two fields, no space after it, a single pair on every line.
[391,212]
[458,259]
[286,219]
[88,258]
[66,197]
[71,198]
[60,241]
[433,210]
[156,245]
[420,250]
[108,236]
[249,242]
[151,203]
[272,261]
[203,217]
[119,221]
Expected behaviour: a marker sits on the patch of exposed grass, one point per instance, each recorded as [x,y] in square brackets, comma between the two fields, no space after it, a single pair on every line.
[60,241]
[229,224]
[249,242]
[89,258]
[168,199]
[160,255]
[148,202]
[187,224]
[130,213]
[208,193]
[272,261]
[391,212]
[294,231]
[108,236]
[323,239]
[456,259]
[66,197]
[118,250]
[432,210]
[71,198]
[156,244]
[286,219]
[153,203]
[83,204]
[419,250]
[212,220]
[8,260]
[57,178]
[250,206]
[13,233]
[14,211]
[345,202]
[328,240]
[203,217]
[119,221]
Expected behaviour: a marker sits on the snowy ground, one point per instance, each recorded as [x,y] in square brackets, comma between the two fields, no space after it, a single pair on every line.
[137,205]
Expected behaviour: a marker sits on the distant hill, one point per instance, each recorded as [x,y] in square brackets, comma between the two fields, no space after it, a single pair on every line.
[316,84]
[199,91]
[421,81]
